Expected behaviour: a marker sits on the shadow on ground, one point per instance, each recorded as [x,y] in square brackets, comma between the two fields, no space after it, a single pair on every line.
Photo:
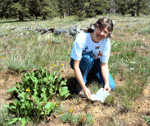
[72,85]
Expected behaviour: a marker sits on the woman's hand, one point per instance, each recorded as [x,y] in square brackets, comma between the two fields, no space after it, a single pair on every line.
[87,93]
[107,87]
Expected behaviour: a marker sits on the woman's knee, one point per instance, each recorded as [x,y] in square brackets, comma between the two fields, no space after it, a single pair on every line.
[111,82]
[101,80]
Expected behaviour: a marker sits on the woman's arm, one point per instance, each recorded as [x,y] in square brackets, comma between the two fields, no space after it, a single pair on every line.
[79,77]
[105,74]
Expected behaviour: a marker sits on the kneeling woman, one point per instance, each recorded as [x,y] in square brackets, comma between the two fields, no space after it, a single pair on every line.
[90,55]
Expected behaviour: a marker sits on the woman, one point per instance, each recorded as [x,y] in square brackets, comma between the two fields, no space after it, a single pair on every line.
[90,55]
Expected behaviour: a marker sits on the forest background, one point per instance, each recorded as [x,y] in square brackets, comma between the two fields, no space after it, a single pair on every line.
[22,9]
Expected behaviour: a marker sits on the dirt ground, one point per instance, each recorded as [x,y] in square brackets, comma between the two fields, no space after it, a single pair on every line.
[103,113]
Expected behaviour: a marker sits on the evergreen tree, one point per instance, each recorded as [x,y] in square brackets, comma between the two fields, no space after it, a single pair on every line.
[142,6]
[102,6]
[132,7]
[34,8]
[5,7]
[66,7]
[71,7]
[20,8]
[97,7]
[121,6]
[47,8]
[44,8]
[79,9]
[62,5]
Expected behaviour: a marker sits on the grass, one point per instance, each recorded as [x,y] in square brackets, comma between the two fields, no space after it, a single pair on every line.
[24,50]
[81,119]
[35,48]
[5,116]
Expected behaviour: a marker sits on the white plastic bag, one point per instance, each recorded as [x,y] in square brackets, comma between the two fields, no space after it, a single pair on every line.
[101,95]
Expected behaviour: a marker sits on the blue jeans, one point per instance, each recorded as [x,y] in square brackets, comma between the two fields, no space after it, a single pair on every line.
[90,69]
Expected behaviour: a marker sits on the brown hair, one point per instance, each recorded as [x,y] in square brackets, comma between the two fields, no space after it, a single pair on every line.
[102,23]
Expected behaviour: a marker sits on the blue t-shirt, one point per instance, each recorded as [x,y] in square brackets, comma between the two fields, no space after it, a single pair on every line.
[84,43]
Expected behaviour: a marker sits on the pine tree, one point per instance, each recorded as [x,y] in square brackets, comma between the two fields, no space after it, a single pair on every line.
[132,7]
[142,6]
[5,7]
[121,6]
[66,7]
[20,8]
[34,8]
[97,7]
[79,9]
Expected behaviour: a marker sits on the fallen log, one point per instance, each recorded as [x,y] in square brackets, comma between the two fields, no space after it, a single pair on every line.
[73,31]
[60,31]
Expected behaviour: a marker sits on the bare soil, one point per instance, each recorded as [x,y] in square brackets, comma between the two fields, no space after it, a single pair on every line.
[103,113]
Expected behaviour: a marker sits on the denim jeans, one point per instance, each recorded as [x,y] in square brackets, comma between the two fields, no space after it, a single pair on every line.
[90,69]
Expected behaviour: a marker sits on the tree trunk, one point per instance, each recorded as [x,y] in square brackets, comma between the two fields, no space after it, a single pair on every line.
[20,15]
[64,15]
[132,13]
[109,12]
[44,17]
[69,12]
[123,13]
[138,8]
[36,16]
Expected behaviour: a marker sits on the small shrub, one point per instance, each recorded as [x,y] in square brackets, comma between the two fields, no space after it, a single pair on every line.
[110,100]
[66,117]
[35,94]
[119,90]
[147,119]
[127,103]
[79,120]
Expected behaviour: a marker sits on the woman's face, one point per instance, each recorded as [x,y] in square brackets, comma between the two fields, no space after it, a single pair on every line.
[100,34]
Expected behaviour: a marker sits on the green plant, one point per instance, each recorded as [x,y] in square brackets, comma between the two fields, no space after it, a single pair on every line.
[66,117]
[127,104]
[116,47]
[5,116]
[94,87]
[147,119]
[110,100]
[35,94]
[80,120]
